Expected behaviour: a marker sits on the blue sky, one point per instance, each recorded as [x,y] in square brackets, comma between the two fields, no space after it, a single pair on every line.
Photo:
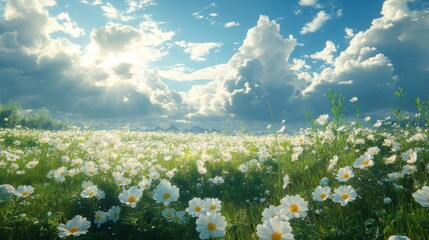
[211,63]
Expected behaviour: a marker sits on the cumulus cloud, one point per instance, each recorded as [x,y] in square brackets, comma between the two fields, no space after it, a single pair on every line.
[113,13]
[259,77]
[43,71]
[349,32]
[316,23]
[326,54]
[379,60]
[198,51]
[92,2]
[308,3]
[231,24]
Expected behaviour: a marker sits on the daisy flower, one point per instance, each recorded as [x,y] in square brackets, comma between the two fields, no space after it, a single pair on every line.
[422,196]
[24,191]
[274,229]
[212,205]
[211,225]
[113,213]
[390,159]
[364,161]
[100,218]
[274,211]
[344,174]
[165,193]
[145,183]
[77,226]
[89,192]
[398,237]
[322,119]
[6,192]
[409,156]
[179,217]
[196,207]
[320,194]
[131,196]
[295,206]
[344,195]
[168,213]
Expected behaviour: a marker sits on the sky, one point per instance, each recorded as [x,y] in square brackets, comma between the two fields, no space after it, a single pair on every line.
[216,64]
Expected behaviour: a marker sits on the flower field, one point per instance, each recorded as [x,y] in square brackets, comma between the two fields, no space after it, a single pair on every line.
[327,182]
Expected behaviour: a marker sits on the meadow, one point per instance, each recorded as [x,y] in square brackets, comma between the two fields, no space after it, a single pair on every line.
[356,180]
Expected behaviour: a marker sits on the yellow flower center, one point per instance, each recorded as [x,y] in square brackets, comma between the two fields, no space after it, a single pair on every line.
[25,194]
[91,194]
[213,207]
[346,175]
[166,196]
[197,208]
[323,195]
[168,215]
[211,226]
[91,172]
[294,208]
[365,162]
[73,230]
[345,196]
[276,236]
[131,199]
[98,217]
[62,173]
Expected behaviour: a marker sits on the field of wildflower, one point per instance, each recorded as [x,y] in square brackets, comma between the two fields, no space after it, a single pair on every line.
[330,181]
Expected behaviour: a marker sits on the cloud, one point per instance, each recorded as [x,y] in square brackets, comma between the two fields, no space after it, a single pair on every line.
[42,71]
[392,53]
[316,23]
[136,5]
[312,3]
[113,13]
[231,24]
[326,53]
[92,2]
[68,26]
[349,33]
[259,76]
[198,51]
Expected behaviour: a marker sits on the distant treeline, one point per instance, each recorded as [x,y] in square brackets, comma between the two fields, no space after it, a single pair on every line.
[11,115]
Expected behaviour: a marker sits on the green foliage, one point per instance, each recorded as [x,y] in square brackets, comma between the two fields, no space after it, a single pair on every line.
[337,109]
[11,116]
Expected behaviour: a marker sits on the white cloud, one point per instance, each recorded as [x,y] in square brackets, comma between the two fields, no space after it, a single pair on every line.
[231,24]
[260,66]
[316,23]
[307,2]
[198,51]
[349,32]
[136,5]
[68,26]
[113,13]
[326,53]
[391,53]
[213,14]
[92,81]
[92,2]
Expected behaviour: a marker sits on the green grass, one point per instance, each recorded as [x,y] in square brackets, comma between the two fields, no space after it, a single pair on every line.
[244,195]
